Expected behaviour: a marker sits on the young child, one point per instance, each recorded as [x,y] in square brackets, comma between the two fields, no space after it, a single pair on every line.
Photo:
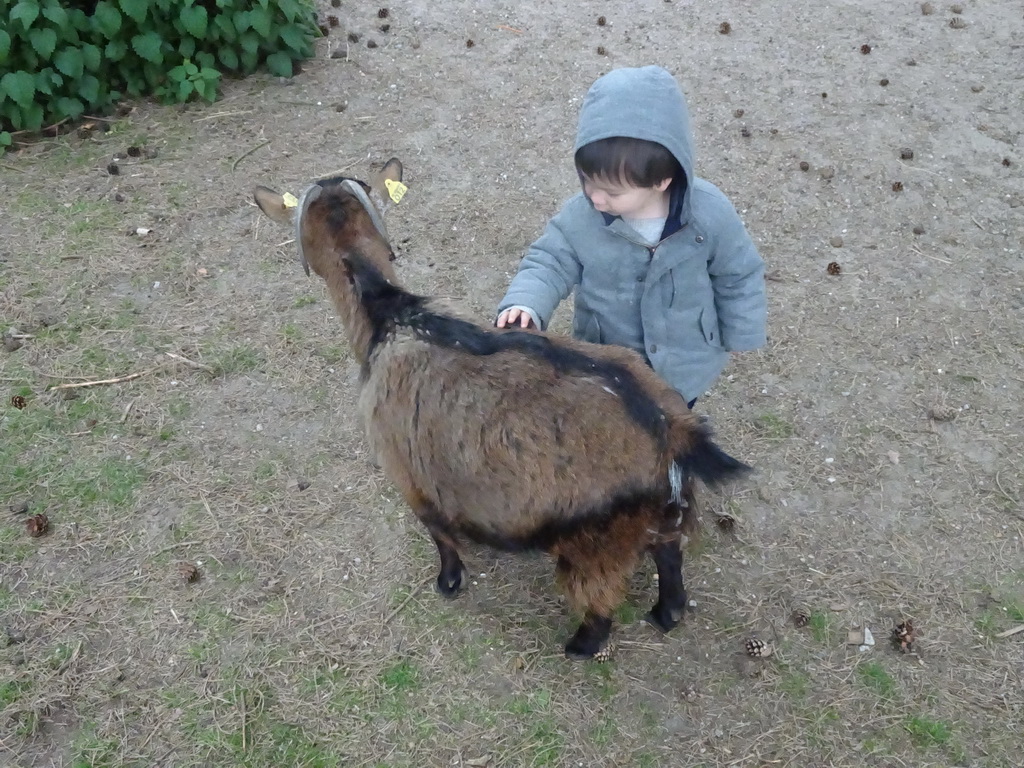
[659,258]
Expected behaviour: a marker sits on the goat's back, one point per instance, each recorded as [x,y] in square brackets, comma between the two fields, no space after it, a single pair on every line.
[506,444]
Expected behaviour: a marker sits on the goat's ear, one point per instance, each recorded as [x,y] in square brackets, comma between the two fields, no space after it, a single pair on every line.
[387,187]
[274,205]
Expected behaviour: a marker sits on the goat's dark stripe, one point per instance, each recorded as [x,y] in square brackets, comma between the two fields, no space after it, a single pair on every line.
[389,307]
[545,535]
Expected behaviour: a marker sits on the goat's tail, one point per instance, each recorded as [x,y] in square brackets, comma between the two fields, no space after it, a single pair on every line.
[706,460]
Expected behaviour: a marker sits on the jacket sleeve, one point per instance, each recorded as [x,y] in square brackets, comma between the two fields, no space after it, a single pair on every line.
[547,274]
[737,278]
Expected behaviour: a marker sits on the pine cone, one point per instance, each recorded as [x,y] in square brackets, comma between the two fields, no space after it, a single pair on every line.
[903,636]
[800,619]
[726,523]
[188,573]
[759,649]
[605,654]
[37,525]
[833,268]
[19,402]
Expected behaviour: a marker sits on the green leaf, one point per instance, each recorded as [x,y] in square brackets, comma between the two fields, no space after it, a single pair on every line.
[228,58]
[115,50]
[187,47]
[280,64]
[70,107]
[191,69]
[200,86]
[91,56]
[57,15]
[13,113]
[25,11]
[44,41]
[89,89]
[177,73]
[242,21]
[70,61]
[5,45]
[260,20]
[137,9]
[20,87]
[249,61]
[226,27]
[107,18]
[43,84]
[5,139]
[295,38]
[33,117]
[290,9]
[205,59]
[148,46]
[185,90]
[250,42]
[194,19]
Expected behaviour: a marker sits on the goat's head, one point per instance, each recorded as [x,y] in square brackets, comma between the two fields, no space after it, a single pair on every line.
[337,217]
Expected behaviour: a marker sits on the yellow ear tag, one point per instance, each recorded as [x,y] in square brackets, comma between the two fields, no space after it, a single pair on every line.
[396,189]
[289,200]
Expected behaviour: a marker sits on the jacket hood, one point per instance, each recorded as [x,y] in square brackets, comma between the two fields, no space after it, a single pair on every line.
[641,103]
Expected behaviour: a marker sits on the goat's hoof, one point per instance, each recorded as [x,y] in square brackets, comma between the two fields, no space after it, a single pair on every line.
[601,655]
[663,620]
[449,588]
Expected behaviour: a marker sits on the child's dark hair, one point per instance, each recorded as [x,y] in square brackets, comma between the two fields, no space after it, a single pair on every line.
[637,162]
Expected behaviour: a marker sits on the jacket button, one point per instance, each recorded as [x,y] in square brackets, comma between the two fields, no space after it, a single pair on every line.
[640,279]
[700,238]
[654,348]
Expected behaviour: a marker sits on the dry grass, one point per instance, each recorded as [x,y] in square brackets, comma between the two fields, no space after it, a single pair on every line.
[312,636]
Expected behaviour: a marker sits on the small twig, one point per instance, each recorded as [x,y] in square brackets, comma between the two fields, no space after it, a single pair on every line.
[978,225]
[71,258]
[169,547]
[101,119]
[71,659]
[225,114]
[243,722]
[193,363]
[923,170]
[398,610]
[507,28]
[116,380]
[1010,632]
[246,154]
[41,130]
[127,410]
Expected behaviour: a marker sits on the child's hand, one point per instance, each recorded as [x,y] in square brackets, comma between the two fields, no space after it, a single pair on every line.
[512,317]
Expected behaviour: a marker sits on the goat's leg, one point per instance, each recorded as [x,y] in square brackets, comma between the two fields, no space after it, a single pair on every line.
[593,567]
[449,580]
[677,517]
[671,605]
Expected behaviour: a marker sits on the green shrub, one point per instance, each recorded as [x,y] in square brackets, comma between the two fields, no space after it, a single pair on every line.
[61,60]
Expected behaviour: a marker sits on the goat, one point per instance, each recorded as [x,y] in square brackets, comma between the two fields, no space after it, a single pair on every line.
[514,439]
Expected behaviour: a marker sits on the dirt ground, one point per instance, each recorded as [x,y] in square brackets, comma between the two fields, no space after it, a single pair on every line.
[884,417]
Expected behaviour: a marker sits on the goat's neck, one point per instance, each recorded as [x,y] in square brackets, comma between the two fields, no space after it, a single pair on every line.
[353,315]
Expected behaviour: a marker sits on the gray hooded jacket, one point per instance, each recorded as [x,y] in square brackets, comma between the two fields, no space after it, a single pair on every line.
[683,303]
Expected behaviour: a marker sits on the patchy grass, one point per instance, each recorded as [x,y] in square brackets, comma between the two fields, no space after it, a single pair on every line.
[820,625]
[926,732]
[773,426]
[875,677]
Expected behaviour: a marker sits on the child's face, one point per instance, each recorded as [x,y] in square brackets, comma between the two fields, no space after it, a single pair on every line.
[622,199]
